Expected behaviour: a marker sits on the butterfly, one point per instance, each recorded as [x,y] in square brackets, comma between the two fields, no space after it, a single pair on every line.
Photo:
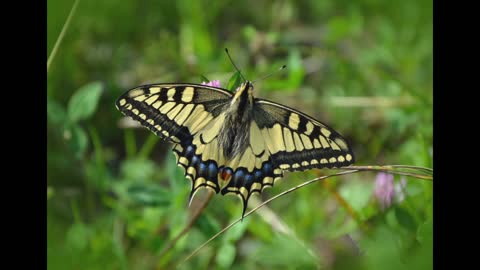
[232,142]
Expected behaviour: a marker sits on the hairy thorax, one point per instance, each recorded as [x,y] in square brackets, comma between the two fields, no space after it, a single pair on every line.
[234,134]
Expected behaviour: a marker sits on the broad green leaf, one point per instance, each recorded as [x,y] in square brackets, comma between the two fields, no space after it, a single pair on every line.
[234,81]
[84,102]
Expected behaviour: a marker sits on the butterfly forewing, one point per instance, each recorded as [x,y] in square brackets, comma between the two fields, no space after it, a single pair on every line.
[173,111]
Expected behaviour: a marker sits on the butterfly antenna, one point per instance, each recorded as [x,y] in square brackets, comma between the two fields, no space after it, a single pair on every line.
[229,57]
[268,75]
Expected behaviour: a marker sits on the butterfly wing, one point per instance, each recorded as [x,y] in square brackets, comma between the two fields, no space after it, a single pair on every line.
[190,116]
[297,141]
[281,138]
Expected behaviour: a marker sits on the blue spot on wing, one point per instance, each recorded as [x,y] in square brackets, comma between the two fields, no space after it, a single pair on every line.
[241,177]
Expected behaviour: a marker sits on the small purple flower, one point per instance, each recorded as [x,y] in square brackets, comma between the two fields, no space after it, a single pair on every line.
[384,189]
[214,83]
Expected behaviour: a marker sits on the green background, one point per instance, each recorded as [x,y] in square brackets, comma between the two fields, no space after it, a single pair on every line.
[115,195]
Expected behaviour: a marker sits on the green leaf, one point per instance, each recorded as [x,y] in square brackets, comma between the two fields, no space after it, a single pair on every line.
[56,114]
[226,256]
[204,79]
[84,102]
[234,81]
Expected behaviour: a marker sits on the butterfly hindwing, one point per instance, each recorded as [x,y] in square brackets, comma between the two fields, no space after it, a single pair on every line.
[253,170]
[297,141]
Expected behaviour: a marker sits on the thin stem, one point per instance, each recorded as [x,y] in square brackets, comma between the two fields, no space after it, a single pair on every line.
[62,33]
[427,173]
[99,158]
[130,144]
[413,167]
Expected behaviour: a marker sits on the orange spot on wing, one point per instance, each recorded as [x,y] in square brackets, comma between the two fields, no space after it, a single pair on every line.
[225,175]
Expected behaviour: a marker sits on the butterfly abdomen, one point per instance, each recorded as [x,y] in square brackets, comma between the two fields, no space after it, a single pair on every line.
[234,135]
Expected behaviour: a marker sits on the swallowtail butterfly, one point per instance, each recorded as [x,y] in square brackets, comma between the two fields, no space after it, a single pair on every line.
[233,143]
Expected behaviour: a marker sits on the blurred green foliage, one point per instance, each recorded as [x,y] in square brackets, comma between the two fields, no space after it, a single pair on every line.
[115,196]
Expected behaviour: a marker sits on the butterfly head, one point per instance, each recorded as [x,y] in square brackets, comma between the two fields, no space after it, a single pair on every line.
[243,94]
